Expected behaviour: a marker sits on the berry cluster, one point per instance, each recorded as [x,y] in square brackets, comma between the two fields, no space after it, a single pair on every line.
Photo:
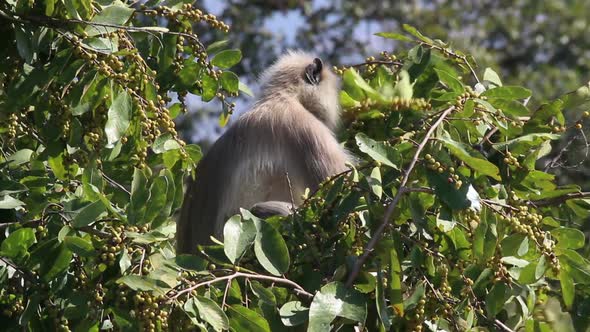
[527,222]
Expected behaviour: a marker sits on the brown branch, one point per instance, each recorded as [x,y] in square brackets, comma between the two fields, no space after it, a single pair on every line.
[298,289]
[376,62]
[559,199]
[391,208]
[58,23]
[420,190]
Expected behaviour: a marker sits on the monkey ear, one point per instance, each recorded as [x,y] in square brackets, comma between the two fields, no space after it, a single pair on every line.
[313,72]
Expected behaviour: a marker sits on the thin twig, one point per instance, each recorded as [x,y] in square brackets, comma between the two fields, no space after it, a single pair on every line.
[25,273]
[463,58]
[420,190]
[115,184]
[376,62]
[141,261]
[223,304]
[56,23]
[559,199]
[390,209]
[277,280]
[502,326]
[489,202]
[290,191]
[93,231]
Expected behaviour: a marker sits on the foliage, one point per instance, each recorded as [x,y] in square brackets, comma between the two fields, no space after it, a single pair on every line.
[443,224]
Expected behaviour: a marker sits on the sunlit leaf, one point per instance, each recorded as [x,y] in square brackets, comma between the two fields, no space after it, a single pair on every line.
[226,58]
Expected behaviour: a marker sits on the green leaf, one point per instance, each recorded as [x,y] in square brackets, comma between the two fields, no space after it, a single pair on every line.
[165,142]
[49,7]
[412,301]
[238,235]
[336,300]
[471,157]
[569,238]
[495,299]
[376,150]
[79,246]
[269,246]
[263,293]
[245,89]
[382,309]
[518,262]
[189,74]
[117,14]
[577,98]
[190,262]
[210,86]
[491,76]
[102,45]
[8,202]
[119,115]
[217,46]
[395,283]
[53,258]
[393,35]
[227,58]
[31,309]
[24,44]
[143,283]
[294,313]
[139,195]
[87,93]
[525,143]
[414,32]
[124,262]
[510,107]
[403,88]
[88,214]
[508,92]
[229,81]
[244,319]
[17,243]
[157,200]
[375,182]
[346,101]
[567,288]
[210,312]
[449,80]
[578,266]
[352,77]
[19,157]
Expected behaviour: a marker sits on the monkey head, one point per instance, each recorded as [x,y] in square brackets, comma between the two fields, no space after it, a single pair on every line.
[307,79]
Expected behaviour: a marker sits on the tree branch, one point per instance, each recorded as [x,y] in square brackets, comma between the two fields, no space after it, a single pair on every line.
[58,23]
[298,289]
[559,199]
[391,208]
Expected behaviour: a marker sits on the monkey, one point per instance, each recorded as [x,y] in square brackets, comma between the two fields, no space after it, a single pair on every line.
[270,154]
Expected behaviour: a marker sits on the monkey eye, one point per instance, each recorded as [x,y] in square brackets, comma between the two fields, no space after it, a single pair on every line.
[313,72]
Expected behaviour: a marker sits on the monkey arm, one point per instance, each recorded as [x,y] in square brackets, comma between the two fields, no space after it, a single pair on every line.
[271,208]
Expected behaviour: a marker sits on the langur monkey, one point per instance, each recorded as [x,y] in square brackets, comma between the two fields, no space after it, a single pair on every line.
[267,158]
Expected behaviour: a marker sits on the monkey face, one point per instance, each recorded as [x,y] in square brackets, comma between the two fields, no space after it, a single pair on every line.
[304,77]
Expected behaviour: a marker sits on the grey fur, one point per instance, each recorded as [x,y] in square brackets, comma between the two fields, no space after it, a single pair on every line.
[288,131]
[271,208]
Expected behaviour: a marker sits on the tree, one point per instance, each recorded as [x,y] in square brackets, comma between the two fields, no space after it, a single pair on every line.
[444,224]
